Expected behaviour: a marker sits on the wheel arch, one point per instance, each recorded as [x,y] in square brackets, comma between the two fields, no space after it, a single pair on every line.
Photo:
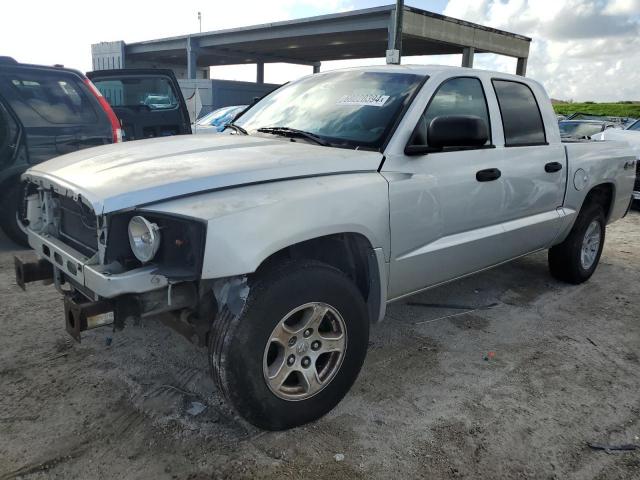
[350,252]
[603,194]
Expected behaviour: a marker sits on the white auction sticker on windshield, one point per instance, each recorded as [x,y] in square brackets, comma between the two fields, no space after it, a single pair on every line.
[369,100]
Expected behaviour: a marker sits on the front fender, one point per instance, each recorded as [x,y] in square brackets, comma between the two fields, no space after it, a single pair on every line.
[247,224]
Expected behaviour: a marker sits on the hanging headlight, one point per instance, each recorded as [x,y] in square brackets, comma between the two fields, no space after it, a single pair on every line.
[144,238]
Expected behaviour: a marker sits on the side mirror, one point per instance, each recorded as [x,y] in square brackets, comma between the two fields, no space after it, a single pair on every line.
[450,131]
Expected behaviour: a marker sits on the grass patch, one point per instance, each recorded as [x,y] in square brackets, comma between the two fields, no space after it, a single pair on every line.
[607,109]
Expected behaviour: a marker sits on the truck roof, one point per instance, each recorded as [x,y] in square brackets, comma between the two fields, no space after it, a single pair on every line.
[433,69]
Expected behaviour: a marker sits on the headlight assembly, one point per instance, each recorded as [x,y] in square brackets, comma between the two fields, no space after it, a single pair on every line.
[144,238]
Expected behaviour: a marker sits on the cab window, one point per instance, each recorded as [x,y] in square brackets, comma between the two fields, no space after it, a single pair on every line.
[456,96]
[521,118]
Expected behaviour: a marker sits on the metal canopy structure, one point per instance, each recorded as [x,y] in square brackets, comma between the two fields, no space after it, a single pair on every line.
[366,33]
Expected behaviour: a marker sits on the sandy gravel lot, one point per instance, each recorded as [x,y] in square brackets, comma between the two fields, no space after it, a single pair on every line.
[427,404]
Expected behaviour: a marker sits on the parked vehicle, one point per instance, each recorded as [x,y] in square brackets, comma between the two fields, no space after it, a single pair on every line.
[49,111]
[620,122]
[44,112]
[279,243]
[583,128]
[216,121]
[148,102]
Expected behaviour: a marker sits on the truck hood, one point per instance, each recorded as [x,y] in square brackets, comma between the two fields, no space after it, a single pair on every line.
[125,175]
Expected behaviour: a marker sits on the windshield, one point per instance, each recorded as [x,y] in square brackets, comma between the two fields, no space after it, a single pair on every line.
[347,109]
[579,129]
[220,117]
[153,92]
[635,126]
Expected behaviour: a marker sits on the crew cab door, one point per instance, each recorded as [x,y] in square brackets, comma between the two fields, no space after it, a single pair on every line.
[148,102]
[445,222]
[459,210]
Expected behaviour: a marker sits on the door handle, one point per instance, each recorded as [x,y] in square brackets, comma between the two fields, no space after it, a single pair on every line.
[553,167]
[488,175]
[629,164]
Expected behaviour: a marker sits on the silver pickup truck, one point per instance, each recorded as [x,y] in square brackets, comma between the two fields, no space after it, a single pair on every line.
[278,243]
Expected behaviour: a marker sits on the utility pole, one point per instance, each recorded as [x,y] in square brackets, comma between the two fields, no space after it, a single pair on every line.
[394,52]
[200,21]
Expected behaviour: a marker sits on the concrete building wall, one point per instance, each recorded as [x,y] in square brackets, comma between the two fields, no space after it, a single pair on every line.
[112,55]
[108,55]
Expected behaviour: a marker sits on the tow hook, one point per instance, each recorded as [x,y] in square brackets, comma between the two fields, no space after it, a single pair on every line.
[85,316]
[27,272]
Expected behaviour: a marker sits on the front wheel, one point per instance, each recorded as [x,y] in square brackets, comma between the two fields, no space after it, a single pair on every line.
[575,259]
[296,347]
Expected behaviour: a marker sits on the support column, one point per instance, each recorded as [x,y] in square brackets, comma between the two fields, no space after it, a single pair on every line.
[467,57]
[316,67]
[192,58]
[260,72]
[521,67]
[394,42]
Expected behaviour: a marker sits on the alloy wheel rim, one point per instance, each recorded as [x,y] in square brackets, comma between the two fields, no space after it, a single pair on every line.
[590,245]
[305,351]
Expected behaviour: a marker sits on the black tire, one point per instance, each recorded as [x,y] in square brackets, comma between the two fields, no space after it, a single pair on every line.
[565,259]
[237,342]
[11,204]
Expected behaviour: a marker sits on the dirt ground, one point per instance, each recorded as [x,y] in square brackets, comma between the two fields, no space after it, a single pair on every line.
[431,401]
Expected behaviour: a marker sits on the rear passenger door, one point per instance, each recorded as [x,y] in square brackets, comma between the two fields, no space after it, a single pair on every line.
[534,175]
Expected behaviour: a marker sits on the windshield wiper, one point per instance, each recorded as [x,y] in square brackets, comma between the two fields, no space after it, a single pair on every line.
[294,132]
[236,128]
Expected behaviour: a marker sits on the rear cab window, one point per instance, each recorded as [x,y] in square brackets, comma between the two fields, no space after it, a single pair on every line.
[51,97]
[521,117]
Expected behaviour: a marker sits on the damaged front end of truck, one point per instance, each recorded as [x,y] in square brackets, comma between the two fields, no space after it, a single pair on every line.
[120,267]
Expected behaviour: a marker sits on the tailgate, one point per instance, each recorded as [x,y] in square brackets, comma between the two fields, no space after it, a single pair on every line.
[148,102]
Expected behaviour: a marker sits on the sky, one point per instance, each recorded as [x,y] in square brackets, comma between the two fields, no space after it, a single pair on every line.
[581,50]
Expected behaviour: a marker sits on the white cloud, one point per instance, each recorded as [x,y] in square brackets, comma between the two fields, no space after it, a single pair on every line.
[581,49]
[615,7]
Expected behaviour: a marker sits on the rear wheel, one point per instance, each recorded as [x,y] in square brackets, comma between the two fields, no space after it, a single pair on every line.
[11,205]
[575,259]
[295,349]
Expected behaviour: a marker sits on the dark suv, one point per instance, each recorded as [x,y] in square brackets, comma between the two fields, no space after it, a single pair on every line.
[44,112]
[50,111]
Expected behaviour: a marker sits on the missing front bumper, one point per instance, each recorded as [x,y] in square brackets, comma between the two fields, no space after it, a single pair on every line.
[85,309]
[27,272]
[87,315]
